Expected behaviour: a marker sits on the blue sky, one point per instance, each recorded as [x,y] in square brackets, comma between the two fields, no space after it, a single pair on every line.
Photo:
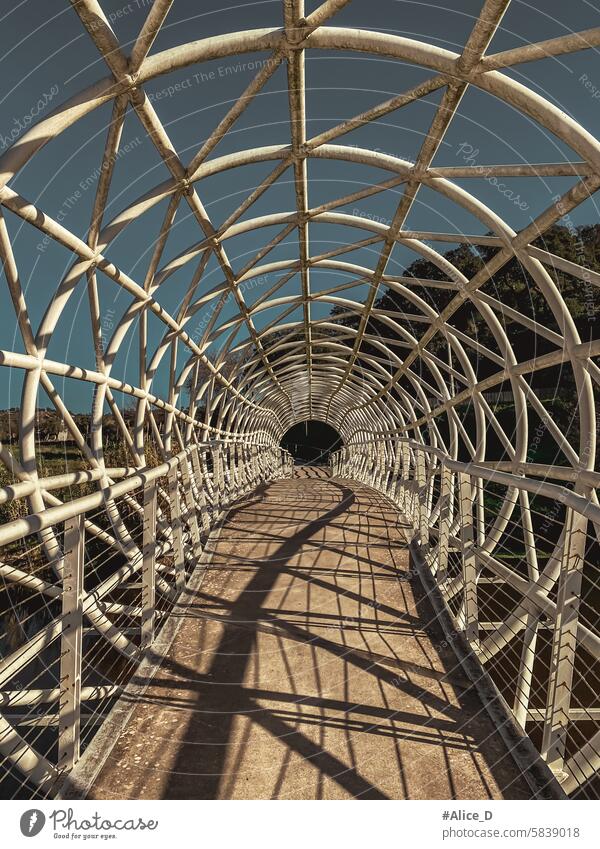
[46,54]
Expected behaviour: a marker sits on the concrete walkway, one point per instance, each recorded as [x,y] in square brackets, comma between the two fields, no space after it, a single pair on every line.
[309,666]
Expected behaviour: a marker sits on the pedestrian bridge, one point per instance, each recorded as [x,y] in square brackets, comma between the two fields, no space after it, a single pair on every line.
[186,613]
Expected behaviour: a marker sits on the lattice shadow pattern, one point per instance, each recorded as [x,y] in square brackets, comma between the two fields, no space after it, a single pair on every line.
[94,558]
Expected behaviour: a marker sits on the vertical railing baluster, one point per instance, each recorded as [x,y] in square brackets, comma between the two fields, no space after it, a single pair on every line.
[225,481]
[191,507]
[374,465]
[402,491]
[149,565]
[430,485]
[444,525]
[177,529]
[71,645]
[216,464]
[393,484]
[564,641]
[525,676]
[530,634]
[469,565]
[381,466]
[480,512]
[422,516]
[234,470]
[209,488]
[200,486]
[245,477]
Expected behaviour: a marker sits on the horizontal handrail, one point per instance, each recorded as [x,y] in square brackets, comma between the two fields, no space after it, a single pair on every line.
[69,586]
[461,538]
[35,522]
[566,496]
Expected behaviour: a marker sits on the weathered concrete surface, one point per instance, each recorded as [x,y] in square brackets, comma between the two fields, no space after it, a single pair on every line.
[309,666]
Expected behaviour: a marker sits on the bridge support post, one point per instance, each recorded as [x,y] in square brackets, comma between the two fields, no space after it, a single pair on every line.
[243,466]
[444,524]
[564,641]
[381,467]
[422,514]
[192,516]
[208,486]
[149,566]
[233,471]
[254,465]
[393,484]
[177,528]
[413,494]
[530,634]
[375,452]
[402,491]
[480,511]
[469,566]
[69,718]
[200,480]
[525,678]
[216,462]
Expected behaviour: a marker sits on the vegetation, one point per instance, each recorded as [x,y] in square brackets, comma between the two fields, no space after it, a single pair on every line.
[514,287]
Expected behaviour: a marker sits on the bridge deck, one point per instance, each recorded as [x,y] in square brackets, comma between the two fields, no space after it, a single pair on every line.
[309,665]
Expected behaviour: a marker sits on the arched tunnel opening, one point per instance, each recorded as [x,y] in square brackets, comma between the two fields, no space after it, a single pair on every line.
[311,442]
[327,267]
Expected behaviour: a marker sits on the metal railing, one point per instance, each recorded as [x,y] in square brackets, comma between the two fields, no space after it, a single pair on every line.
[86,587]
[516,562]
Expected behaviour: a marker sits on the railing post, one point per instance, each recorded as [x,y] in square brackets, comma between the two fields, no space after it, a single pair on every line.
[480,511]
[564,641]
[225,482]
[190,504]
[364,464]
[375,454]
[441,571]
[402,488]
[422,516]
[381,466]
[469,565]
[530,635]
[393,482]
[208,486]
[216,461]
[246,467]
[149,565]
[234,471]
[69,719]
[200,478]
[525,677]
[177,528]
[228,470]
[412,493]
[369,465]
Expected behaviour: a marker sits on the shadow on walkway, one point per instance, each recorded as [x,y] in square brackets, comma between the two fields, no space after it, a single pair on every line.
[309,665]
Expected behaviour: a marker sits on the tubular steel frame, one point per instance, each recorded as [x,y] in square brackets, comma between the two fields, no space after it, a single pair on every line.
[321,371]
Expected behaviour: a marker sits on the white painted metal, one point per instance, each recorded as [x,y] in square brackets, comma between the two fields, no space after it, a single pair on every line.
[529,610]
[394,398]
[71,644]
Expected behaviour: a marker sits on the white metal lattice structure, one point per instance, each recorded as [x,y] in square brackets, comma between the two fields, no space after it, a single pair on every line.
[395,401]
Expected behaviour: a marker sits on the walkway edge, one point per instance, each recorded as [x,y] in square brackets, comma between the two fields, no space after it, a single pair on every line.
[78,783]
[536,772]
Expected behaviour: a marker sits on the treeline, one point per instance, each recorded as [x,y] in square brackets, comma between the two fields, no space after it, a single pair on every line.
[50,427]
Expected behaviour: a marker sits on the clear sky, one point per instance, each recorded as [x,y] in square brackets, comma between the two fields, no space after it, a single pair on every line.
[46,57]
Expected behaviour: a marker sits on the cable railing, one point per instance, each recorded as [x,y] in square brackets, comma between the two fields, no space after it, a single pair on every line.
[87,586]
[516,562]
